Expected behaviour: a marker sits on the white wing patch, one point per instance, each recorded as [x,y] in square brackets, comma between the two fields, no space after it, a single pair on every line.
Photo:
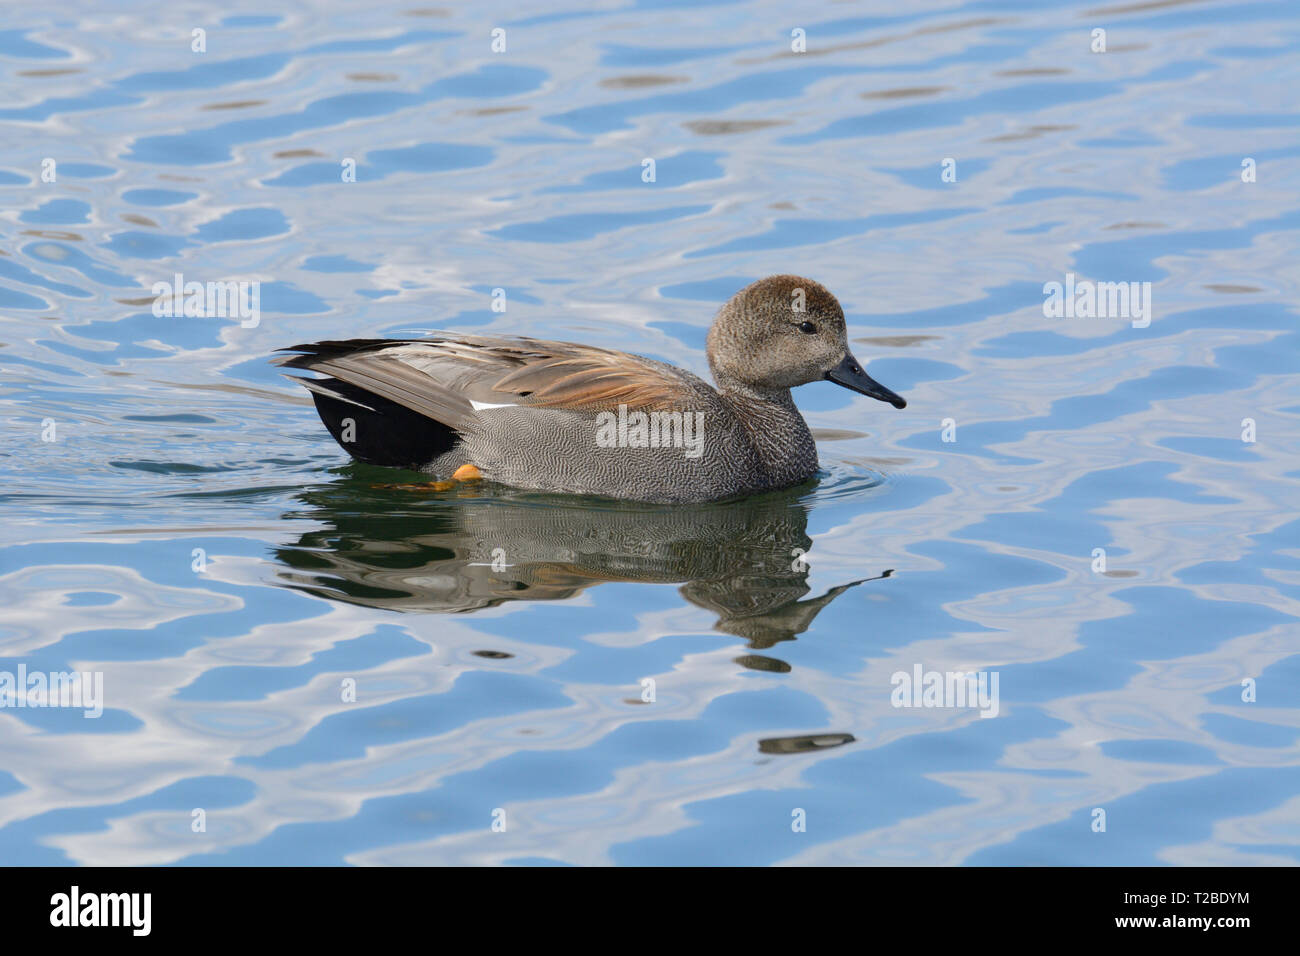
[480,406]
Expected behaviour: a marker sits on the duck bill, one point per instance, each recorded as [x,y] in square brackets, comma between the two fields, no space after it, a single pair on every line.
[849,374]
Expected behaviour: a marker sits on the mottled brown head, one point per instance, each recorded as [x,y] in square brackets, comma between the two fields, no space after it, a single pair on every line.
[784,331]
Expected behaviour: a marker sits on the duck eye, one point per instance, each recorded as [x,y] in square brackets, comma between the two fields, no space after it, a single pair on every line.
[807,327]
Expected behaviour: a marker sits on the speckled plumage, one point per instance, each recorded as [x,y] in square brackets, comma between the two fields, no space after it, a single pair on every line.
[547,416]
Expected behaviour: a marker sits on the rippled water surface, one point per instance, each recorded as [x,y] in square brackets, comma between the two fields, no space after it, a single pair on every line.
[192,533]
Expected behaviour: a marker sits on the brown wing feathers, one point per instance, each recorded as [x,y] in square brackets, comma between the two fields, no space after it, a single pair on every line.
[431,375]
[591,380]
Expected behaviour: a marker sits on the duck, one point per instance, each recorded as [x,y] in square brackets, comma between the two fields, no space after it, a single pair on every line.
[579,419]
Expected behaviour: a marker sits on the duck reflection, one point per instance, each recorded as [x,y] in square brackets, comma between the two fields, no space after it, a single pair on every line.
[409,548]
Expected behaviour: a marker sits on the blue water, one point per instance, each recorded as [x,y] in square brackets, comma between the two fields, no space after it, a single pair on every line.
[192,533]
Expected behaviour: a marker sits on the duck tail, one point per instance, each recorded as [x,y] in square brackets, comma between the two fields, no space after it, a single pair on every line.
[366,424]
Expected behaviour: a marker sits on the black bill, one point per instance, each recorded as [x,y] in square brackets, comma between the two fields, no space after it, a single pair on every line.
[849,374]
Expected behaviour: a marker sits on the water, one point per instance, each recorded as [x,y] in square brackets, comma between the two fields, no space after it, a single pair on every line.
[499,642]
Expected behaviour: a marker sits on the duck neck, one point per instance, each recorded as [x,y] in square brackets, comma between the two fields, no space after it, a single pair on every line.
[777,431]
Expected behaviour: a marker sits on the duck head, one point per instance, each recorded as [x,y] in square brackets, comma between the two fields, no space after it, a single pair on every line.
[784,331]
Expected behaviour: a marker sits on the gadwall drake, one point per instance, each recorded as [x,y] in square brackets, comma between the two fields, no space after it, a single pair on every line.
[556,416]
